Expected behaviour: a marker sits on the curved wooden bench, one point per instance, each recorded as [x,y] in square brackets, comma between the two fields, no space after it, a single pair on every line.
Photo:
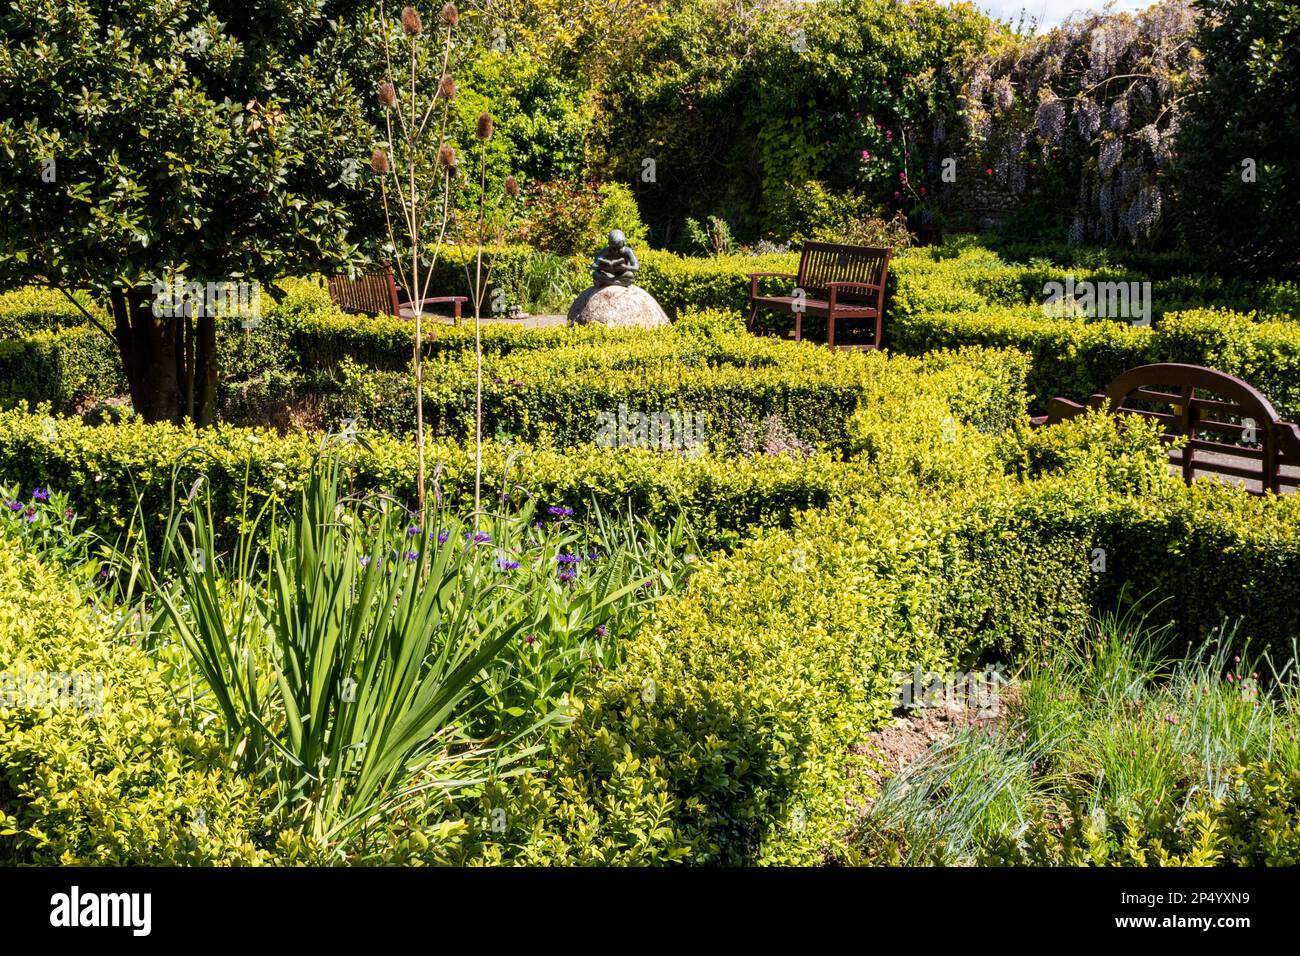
[1216,412]
[375,293]
[838,282]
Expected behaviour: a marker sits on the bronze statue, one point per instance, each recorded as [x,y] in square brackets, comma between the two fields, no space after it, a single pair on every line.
[615,264]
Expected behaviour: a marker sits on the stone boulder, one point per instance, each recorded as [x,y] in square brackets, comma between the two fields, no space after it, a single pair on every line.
[618,307]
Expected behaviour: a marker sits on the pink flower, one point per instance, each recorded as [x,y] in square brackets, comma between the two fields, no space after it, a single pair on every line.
[865,155]
[922,190]
[897,196]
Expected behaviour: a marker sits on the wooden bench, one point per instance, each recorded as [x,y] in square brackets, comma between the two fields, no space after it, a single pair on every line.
[837,282]
[376,293]
[1231,429]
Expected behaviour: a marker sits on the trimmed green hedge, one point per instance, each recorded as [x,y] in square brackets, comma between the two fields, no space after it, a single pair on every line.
[727,386]
[946,298]
[64,367]
[734,732]
[97,766]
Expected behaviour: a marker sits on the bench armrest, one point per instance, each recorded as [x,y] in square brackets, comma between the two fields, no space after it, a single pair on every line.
[1059,410]
[755,276]
[442,298]
[852,285]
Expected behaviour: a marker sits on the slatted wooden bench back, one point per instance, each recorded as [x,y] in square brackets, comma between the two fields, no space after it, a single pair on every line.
[822,263]
[371,293]
[1231,428]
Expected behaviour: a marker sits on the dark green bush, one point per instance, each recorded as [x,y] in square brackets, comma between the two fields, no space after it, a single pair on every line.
[64,367]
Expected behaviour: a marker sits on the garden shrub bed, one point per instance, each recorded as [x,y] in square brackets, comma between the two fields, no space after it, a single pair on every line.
[722,388]
[112,774]
[733,731]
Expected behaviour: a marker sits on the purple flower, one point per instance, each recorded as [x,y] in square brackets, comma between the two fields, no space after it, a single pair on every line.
[412,555]
[40,494]
[592,556]
[443,536]
[478,537]
[566,576]
[365,560]
[69,514]
[567,559]
[505,564]
[29,515]
[558,511]
[413,530]
[600,630]
[14,505]
[530,639]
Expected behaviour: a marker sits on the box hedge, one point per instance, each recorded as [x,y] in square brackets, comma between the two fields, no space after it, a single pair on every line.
[97,766]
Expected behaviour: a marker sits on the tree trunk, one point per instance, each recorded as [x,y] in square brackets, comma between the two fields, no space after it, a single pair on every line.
[164,366]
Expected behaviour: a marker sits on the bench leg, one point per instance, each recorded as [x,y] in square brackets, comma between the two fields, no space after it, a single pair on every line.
[830,330]
[753,316]
[798,326]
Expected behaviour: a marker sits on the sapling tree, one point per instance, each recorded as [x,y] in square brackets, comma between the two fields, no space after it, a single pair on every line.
[497,222]
[417,190]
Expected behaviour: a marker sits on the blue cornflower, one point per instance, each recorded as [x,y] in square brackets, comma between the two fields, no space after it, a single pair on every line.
[14,505]
[40,494]
[567,559]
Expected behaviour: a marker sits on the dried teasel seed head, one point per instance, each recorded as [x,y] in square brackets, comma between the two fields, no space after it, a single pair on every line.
[387,94]
[484,130]
[411,21]
[446,156]
[447,87]
[449,14]
[379,161]
[512,187]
